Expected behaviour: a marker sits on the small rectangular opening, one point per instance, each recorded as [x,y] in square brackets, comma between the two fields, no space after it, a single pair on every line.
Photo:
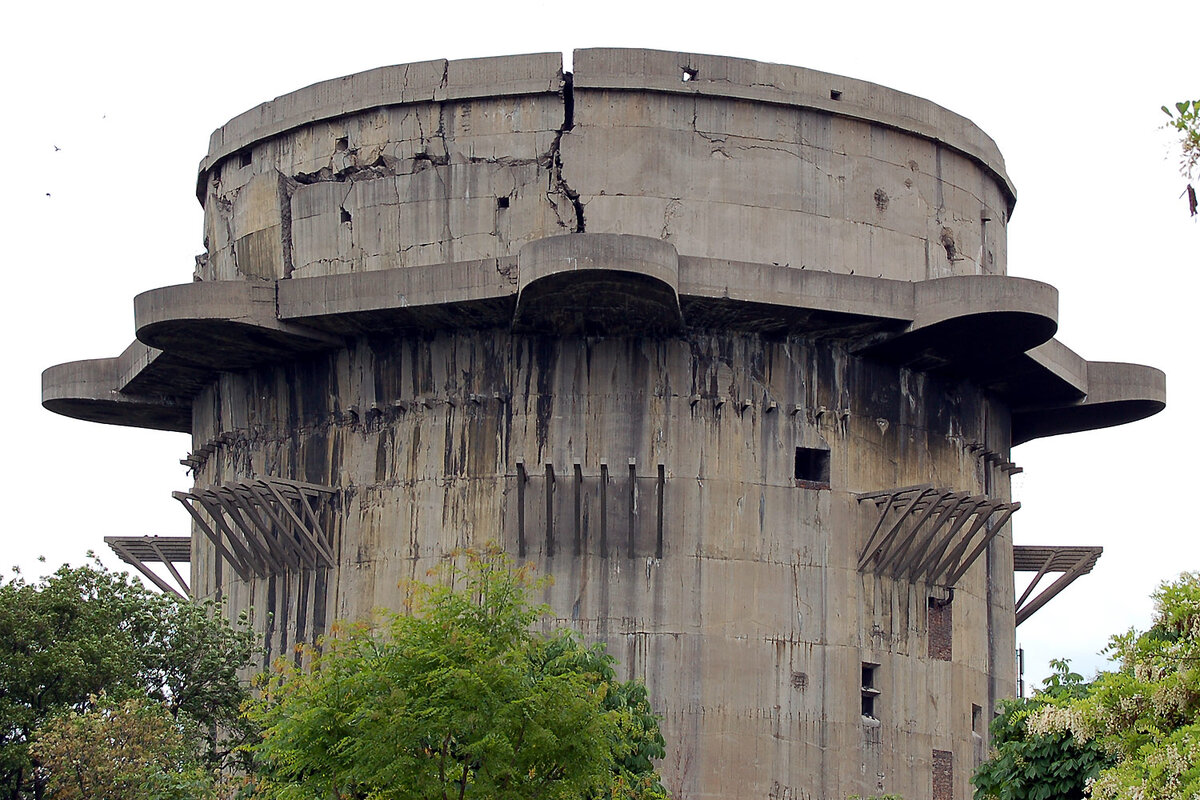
[812,465]
[977,719]
[835,94]
[869,691]
[244,158]
[501,202]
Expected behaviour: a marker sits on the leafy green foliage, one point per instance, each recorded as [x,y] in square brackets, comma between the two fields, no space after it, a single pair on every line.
[1031,765]
[1141,721]
[83,633]
[456,698]
[131,750]
[1147,711]
[1185,120]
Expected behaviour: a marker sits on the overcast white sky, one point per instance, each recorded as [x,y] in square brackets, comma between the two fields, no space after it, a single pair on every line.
[130,92]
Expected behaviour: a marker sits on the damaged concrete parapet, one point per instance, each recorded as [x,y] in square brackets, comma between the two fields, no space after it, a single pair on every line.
[423,82]
[455,161]
[668,327]
[780,84]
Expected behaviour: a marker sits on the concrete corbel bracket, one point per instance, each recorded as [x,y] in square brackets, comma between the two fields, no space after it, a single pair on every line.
[598,284]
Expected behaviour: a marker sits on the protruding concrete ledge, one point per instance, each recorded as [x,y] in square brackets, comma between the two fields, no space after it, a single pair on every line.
[991,329]
[421,82]
[465,294]
[777,299]
[1116,394]
[972,323]
[225,325]
[597,284]
[721,76]
[88,390]
[145,370]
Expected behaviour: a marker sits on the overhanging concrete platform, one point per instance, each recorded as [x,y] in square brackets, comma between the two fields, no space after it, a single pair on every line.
[993,329]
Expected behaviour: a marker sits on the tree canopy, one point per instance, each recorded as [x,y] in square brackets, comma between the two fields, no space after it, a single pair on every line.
[457,697]
[1143,717]
[87,635]
[129,750]
[1026,765]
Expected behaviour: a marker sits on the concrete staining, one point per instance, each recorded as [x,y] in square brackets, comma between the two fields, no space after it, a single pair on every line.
[728,348]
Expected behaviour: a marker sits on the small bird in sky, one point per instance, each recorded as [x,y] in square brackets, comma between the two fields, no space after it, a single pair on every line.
[57,148]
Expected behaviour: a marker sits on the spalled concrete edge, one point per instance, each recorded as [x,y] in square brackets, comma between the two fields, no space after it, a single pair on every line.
[722,76]
[423,81]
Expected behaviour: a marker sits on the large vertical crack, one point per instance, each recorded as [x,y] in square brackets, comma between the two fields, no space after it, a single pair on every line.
[559,185]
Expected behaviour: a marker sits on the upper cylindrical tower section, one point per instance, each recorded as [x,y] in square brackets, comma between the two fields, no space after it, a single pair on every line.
[446,161]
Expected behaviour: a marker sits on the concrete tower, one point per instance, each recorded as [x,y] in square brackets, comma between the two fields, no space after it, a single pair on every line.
[728,348]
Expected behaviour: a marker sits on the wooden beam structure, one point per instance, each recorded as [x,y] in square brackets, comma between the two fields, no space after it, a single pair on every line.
[1071,562]
[264,526]
[138,551]
[930,534]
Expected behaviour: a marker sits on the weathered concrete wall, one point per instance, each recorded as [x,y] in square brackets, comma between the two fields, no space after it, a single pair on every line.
[696,163]
[743,609]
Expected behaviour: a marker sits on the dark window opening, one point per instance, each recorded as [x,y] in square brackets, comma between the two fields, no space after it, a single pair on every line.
[835,94]
[977,719]
[244,159]
[812,465]
[869,691]
[501,202]
[345,215]
[342,144]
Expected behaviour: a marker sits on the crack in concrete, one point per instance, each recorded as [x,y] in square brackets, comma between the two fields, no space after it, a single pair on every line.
[558,184]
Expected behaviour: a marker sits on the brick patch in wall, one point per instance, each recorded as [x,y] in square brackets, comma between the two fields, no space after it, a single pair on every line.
[943,775]
[941,630]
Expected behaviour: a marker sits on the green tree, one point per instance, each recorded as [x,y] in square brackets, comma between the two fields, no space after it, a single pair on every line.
[1030,765]
[1142,718]
[129,750]
[1185,119]
[456,698]
[83,633]
[1146,713]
